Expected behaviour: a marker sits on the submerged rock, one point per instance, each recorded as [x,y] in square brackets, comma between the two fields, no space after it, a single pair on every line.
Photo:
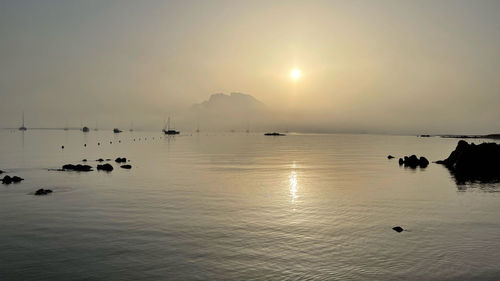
[126,166]
[471,162]
[121,160]
[413,161]
[42,191]
[398,229]
[390,157]
[105,167]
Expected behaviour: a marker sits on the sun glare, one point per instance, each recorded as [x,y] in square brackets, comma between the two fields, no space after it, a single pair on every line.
[295,74]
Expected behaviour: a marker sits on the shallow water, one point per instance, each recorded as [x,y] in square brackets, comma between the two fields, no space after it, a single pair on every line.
[241,207]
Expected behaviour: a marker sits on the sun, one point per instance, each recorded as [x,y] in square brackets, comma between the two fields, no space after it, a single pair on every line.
[295,74]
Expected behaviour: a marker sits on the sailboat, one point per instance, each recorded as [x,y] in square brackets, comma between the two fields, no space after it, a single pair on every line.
[169,131]
[22,128]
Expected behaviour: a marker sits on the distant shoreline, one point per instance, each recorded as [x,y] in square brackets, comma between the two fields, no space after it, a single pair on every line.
[490,136]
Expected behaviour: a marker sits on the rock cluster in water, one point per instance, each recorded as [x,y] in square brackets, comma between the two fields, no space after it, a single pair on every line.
[121,160]
[105,167]
[78,168]
[414,162]
[470,162]
[9,179]
[42,191]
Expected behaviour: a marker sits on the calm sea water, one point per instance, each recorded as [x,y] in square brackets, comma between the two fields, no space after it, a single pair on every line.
[241,207]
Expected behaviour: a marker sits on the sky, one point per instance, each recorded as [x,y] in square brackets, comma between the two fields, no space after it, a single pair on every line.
[399,67]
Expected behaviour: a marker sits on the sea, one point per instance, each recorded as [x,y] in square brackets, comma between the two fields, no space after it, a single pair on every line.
[241,206]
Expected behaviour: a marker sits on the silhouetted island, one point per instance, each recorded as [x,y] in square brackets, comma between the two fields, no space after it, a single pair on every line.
[490,136]
[78,168]
[471,162]
[274,134]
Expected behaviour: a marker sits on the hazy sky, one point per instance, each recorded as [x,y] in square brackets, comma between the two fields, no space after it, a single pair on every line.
[376,66]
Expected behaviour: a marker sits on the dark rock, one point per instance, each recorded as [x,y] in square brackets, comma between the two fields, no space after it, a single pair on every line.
[423,162]
[84,160]
[78,168]
[413,161]
[398,229]
[100,160]
[107,159]
[16,179]
[42,191]
[471,162]
[126,166]
[9,180]
[105,167]
[1,172]
[62,146]
[120,160]
[390,157]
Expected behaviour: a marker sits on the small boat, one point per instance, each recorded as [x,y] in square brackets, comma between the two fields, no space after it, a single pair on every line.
[169,131]
[274,134]
[116,130]
[23,128]
[85,129]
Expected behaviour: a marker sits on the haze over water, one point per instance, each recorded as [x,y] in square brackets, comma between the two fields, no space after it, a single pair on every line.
[241,207]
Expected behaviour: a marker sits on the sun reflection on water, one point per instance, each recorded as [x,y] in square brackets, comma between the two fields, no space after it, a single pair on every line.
[293,185]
